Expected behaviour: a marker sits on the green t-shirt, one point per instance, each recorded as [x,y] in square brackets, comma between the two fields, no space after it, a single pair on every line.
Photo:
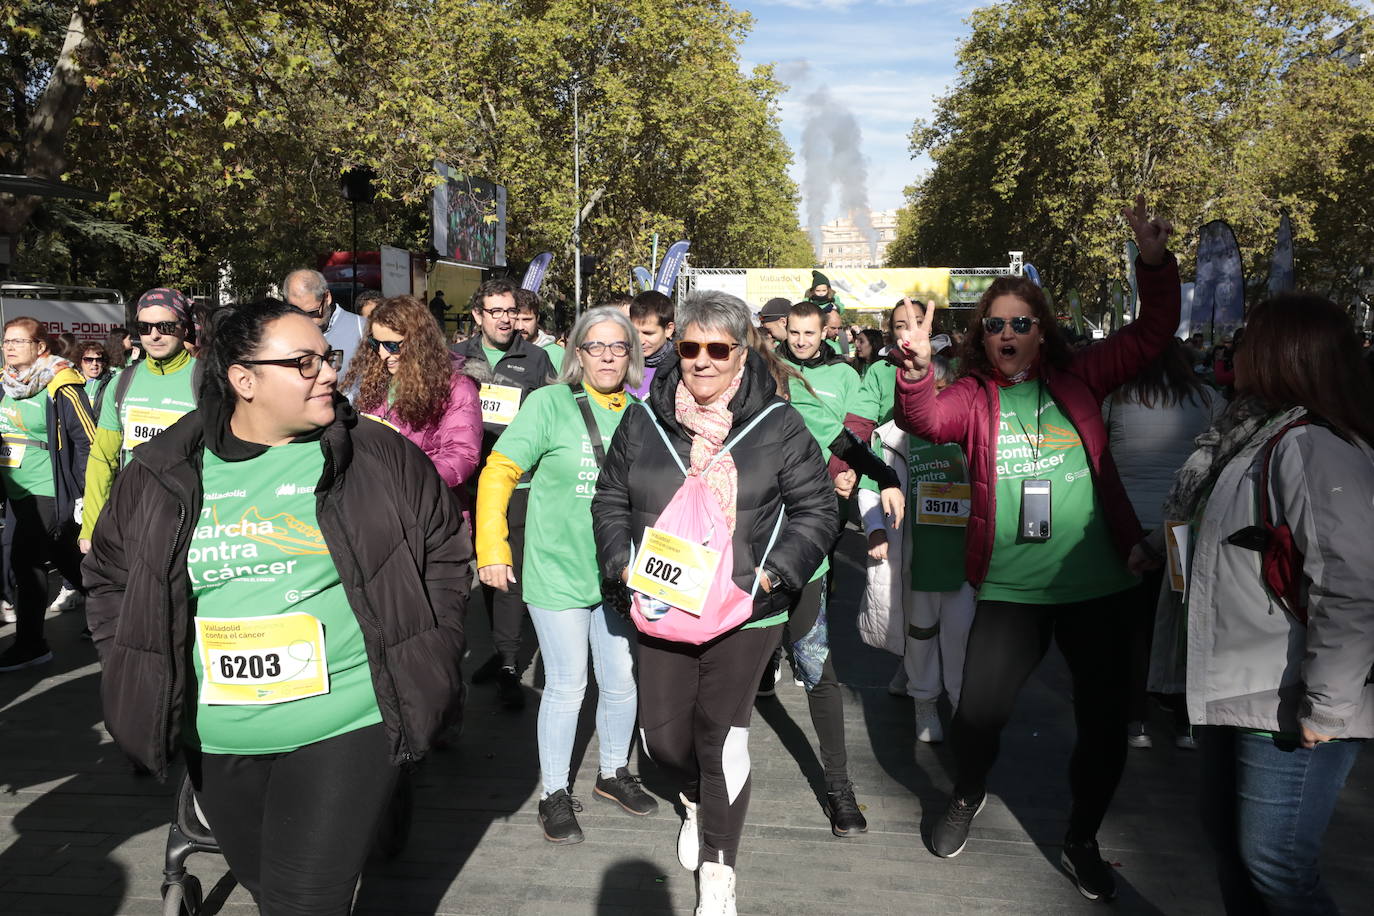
[257,551]
[24,428]
[555,356]
[154,401]
[836,386]
[877,393]
[560,569]
[1079,561]
[937,551]
[494,356]
[835,345]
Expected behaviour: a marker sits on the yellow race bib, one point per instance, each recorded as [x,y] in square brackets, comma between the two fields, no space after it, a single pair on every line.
[143,423]
[943,504]
[674,570]
[261,661]
[500,404]
[12,454]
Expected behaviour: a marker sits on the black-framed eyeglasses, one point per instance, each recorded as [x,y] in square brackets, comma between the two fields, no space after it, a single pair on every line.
[391,346]
[716,349]
[165,328]
[1021,324]
[308,365]
[597,347]
[501,313]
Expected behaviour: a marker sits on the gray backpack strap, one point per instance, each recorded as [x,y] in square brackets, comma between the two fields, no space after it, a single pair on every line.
[772,539]
[734,440]
[663,435]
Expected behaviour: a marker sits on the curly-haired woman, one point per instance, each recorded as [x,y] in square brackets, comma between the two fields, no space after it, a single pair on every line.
[404,374]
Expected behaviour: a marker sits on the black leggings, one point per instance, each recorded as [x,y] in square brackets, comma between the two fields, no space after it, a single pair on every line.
[695,703]
[1005,645]
[506,610]
[37,539]
[824,699]
[296,828]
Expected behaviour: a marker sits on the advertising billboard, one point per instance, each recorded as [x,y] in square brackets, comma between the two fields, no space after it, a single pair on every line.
[469,219]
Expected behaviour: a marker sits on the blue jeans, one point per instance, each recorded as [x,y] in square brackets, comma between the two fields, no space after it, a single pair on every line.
[1266,803]
[563,640]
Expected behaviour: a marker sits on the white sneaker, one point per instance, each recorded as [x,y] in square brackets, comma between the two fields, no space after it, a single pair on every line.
[715,890]
[928,728]
[688,840]
[897,686]
[1137,736]
[68,599]
[7,614]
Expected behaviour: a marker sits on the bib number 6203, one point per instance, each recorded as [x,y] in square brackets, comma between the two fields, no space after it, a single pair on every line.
[248,667]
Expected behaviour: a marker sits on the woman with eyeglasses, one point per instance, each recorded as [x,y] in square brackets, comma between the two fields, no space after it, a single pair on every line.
[405,375]
[696,701]
[1050,528]
[277,588]
[143,399]
[45,436]
[563,429]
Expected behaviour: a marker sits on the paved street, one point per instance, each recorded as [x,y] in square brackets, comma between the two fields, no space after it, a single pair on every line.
[80,834]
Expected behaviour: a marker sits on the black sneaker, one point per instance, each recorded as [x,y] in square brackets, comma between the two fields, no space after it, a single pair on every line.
[951,833]
[488,670]
[18,657]
[625,791]
[86,634]
[558,818]
[508,689]
[768,684]
[843,810]
[1093,876]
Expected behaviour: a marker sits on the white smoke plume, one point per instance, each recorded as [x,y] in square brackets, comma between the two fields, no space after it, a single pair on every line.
[832,157]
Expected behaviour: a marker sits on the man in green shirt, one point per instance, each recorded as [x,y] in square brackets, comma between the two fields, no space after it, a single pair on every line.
[144,399]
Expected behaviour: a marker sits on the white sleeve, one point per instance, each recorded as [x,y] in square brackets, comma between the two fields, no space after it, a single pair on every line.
[871,510]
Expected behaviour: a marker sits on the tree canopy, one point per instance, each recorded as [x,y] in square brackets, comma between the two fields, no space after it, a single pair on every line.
[1065,109]
[220,131]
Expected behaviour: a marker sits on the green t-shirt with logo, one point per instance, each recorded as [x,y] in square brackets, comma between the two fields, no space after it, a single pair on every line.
[937,551]
[154,401]
[25,465]
[560,569]
[836,385]
[1079,561]
[257,551]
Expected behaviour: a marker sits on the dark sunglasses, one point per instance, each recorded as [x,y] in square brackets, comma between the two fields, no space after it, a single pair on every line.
[308,365]
[1021,324]
[93,359]
[165,328]
[391,346]
[691,349]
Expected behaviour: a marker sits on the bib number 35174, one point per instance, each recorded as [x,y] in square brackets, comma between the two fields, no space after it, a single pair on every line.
[261,661]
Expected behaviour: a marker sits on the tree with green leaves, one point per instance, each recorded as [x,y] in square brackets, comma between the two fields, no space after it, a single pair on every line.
[1062,111]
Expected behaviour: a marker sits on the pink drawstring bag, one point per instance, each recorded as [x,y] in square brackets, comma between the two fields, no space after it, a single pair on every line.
[693,516]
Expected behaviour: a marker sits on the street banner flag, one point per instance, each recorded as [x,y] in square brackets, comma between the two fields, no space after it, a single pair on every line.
[1076,310]
[643,279]
[1219,291]
[1031,274]
[534,274]
[1118,305]
[1133,305]
[670,265]
[1281,267]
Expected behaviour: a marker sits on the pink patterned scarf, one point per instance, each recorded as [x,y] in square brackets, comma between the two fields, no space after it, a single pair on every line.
[709,424]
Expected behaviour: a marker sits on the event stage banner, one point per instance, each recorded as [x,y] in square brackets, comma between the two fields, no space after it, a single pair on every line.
[861,289]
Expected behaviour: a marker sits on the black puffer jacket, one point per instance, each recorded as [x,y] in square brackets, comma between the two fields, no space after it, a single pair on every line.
[394,531]
[778,463]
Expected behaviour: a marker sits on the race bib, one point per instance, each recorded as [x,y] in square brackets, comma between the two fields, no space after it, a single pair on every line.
[943,504]
[143,423]
[12,454]
[261,661]
[674,570]
[500,403]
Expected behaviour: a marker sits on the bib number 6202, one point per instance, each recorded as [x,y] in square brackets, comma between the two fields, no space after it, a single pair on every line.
[662,570]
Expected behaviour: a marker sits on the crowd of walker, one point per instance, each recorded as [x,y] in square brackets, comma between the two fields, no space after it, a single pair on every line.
[281,506]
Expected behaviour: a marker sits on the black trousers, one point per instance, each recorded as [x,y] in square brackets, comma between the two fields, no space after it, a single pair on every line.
[296,828]
[807,623]
[1005,645]
[695,703]
[37,539]
[506,610]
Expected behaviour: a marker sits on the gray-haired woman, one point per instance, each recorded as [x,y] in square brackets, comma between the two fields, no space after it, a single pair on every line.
[695,701]
[563,429]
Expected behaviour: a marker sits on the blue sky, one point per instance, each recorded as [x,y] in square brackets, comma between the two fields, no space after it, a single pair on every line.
[887,61]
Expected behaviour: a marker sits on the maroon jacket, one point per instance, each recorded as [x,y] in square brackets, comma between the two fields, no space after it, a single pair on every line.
[968,411]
